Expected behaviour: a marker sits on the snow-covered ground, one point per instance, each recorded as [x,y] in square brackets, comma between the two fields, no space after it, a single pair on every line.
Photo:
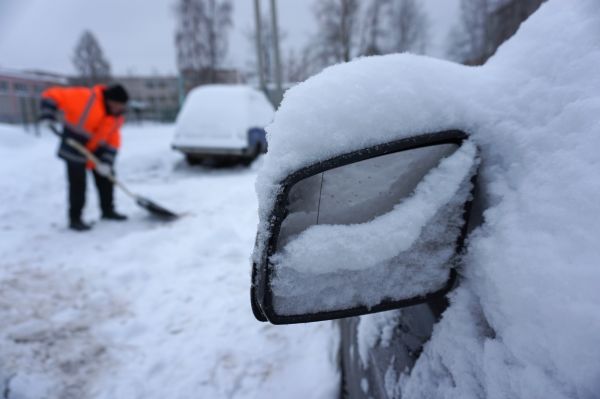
[142,309]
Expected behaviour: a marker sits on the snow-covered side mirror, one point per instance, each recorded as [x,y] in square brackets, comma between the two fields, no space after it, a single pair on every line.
[367,231]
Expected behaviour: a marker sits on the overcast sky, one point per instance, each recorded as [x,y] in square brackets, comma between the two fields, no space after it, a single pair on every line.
[137,35]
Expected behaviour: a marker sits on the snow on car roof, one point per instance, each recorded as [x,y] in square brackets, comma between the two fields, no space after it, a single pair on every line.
[235,106]
[362,103]
[525,321]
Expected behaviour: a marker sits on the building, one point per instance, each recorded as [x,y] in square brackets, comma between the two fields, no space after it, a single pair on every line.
[152,97]
[20,92]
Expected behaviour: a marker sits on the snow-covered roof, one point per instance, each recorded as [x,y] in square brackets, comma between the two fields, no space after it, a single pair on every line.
[238,107]
[33,76]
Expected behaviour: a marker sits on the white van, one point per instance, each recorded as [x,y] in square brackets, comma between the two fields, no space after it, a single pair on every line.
[223,124]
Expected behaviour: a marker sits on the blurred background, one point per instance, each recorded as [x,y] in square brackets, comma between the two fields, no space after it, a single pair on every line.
[162,49]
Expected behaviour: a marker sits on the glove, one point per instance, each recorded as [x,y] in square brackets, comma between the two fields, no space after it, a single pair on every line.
[103,169]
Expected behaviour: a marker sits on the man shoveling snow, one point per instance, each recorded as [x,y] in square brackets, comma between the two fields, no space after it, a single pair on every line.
[92,117]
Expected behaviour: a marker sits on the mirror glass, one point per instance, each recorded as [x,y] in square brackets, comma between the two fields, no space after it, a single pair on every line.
[380,229]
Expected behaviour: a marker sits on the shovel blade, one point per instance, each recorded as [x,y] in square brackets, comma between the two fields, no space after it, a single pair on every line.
[156,209]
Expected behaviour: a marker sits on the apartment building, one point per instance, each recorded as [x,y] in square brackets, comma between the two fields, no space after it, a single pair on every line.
[152,97]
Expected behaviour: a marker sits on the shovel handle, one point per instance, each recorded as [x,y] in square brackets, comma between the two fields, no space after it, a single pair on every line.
[83,150]
[79,147]
[90,156]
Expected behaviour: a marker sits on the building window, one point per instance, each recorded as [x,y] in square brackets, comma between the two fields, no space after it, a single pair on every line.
[150,84]
[21,88]
[3,86]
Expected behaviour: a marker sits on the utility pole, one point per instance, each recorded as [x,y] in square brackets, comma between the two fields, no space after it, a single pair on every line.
[259,58]
[181,88]
[275,27]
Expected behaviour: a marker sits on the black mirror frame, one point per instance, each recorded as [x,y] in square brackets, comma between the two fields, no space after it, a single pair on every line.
[261,274]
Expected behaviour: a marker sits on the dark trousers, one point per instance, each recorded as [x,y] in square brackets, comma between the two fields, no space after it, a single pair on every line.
[76,173]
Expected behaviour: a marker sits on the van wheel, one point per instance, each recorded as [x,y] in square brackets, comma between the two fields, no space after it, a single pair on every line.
[251,157]
[193,160]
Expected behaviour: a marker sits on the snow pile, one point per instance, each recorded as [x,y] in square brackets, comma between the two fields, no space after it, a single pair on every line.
[357,105]
[140,309]
[525,321]
[531,294]
[330,267]
[376,329]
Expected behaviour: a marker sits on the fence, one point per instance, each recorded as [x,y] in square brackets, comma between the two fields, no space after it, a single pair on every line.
[24,110]
[19,109]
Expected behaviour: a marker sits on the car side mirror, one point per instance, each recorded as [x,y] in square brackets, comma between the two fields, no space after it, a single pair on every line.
[372,230]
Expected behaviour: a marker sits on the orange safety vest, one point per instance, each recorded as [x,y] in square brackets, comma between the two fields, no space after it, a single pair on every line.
[84,113]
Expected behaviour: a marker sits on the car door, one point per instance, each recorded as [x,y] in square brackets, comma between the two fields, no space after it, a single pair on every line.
[375,350]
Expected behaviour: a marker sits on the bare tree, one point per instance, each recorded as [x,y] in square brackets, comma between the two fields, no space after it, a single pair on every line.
[468,40]
[268,61]
[201,37]
[189,38]
[89,60]
[299,66]
[409,27]
[374,30]
[338,30]
[485,25]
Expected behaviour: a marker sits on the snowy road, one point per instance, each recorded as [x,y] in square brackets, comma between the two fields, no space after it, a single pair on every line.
[142,309]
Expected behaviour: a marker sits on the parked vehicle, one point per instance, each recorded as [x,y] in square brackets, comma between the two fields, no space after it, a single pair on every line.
[394,183]
[223,124]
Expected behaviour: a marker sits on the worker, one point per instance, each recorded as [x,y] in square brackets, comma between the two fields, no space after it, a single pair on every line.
[93,118]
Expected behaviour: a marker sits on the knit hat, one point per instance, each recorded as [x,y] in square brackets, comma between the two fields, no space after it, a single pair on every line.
[117,93]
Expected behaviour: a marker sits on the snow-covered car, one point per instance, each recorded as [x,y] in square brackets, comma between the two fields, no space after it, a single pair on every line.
[223,123]
[447,215]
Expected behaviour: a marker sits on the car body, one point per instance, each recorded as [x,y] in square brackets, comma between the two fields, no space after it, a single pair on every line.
[521,319]
[223,123]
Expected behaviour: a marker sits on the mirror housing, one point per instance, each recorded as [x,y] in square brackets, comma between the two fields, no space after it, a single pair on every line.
[265,274]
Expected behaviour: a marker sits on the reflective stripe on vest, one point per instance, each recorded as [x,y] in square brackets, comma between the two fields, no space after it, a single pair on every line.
[78,130]
[86,111]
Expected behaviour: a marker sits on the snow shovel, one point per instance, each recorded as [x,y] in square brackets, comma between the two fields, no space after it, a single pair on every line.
[145,203]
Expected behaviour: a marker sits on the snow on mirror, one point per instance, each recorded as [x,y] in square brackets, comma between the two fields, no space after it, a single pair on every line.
[381,229]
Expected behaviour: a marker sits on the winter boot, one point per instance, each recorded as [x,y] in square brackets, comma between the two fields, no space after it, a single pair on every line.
[113,215]
[79,225]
